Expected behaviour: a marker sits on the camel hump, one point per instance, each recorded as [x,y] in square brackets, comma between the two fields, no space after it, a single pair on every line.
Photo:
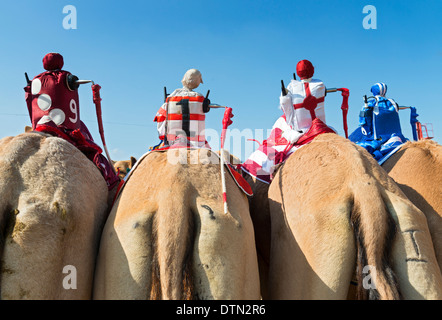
[36,153]
[19,148]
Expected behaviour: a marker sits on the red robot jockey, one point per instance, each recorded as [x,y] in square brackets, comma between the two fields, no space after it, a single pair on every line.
[181,119]
[53,105]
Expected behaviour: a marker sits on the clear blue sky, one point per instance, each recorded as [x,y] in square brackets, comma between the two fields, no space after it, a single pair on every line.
[243,49]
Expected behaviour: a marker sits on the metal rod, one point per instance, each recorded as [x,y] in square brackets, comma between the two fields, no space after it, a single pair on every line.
[216,106]
[84,81]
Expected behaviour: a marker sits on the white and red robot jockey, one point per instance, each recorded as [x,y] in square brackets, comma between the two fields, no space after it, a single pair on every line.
[181,119]
[304,118]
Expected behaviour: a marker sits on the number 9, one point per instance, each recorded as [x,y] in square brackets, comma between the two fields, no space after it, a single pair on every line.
[73,106]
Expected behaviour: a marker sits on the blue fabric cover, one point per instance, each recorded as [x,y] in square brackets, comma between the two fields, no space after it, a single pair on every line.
[379,130]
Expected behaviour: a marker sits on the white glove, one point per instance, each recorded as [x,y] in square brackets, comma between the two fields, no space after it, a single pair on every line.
[292,135]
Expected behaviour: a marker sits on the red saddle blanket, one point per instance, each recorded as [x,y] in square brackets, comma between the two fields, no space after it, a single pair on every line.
[275,150]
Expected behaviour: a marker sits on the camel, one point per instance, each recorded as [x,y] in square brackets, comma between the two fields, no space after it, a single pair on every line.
[167,236]
[124,166]
[333,210]
[260,214]
[54,202]
[417,169]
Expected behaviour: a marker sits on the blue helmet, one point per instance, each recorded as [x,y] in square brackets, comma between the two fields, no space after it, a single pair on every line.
[379,89]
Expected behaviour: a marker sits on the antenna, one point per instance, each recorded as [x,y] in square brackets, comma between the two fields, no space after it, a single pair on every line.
[27,78]
[283,90]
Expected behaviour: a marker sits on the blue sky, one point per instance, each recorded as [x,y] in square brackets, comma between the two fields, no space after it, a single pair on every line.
[243,49]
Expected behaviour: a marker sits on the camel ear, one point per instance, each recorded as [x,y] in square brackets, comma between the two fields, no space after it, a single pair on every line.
[132,161]
[28,129]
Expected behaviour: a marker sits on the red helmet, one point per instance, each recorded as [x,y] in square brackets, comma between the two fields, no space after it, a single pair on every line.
[53,61]
[305,69]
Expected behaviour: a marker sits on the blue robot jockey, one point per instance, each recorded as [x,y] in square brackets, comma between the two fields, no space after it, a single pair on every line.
[379,130]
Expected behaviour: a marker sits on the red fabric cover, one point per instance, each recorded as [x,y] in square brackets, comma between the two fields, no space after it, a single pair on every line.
[54,85]
[240,181]
[305,69]
[53,61]
[318,127]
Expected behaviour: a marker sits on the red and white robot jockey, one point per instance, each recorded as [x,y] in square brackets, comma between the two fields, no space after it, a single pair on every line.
[304,118]
[303,103]
[53,105]
[181,119]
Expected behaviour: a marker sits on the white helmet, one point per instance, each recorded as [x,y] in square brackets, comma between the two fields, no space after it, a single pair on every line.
[192,79]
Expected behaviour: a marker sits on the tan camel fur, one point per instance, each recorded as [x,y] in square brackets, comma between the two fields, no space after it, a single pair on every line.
[417,169]
[168,238]
[333,209]
[53,204]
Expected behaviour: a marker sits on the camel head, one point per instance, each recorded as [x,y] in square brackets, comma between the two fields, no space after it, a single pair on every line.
[124,166]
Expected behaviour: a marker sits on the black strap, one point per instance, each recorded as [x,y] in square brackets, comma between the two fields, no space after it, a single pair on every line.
[206,105]
[186,116]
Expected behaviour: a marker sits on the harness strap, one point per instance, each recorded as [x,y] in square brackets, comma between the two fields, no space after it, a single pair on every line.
[184,103]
